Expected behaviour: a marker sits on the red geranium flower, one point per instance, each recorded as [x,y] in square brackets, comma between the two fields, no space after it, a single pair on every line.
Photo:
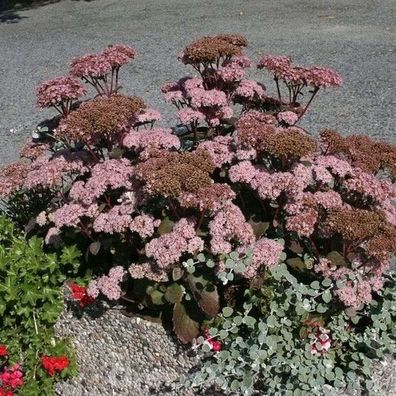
[3,351]
[53,364]
[79,293]
[12,377]
[5,392]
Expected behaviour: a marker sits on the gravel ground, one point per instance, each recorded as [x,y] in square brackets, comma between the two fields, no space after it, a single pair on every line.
[356,37]
[123,356]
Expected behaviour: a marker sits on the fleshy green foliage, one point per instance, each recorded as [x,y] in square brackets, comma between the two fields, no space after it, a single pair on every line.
[269,341]
[30,303]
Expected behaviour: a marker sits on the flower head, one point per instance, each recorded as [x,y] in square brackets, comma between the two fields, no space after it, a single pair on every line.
[3,350]
[59,90]
[79,294]
[12,377]
[118,55]
[54,364]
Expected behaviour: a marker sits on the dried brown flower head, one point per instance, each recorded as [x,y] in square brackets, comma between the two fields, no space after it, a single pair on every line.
[100,118]
[33,150]
[252,131]
[213,49]
[235,39]
[289,143]
[12,177]
[362,151]
[332,142]
[212,197]
[174,173]
[356,224]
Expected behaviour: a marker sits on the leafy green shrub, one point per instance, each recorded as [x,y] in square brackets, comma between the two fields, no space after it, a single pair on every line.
[30,303]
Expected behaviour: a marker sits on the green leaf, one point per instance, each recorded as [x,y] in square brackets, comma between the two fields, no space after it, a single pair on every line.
[315,285]
[166,226]
[326,282]
[116,153]
[296,263]
[271,321]
[235,385]
[326,296]
[249,321]
[321,308]
[174,293]
[183,325]
[259,227]
[205,294]
[210,263]
[94,248]
[227,312]
[177,273]
[201,257]
[337,259]
[157,297]
[230,263]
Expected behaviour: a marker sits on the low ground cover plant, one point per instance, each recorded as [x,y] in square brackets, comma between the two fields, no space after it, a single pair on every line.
[266,247]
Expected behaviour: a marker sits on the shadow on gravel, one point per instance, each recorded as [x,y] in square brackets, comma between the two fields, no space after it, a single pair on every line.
[9,8]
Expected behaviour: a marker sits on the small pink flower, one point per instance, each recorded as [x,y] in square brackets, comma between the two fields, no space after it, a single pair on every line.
[288,117]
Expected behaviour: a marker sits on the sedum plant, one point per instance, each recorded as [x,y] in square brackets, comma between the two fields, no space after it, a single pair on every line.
[183,223]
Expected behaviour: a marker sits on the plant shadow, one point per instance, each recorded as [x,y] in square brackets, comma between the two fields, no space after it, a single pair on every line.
[9,8]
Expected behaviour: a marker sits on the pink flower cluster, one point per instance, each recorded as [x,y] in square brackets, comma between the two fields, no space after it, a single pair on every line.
[148,116]
[266,252]
[229,225]
[98,65]
[287,117]
[144,225]
[208,198]
[154,139]
[109,285]
[282,68]
[60,93]
[47,173]
[196,103]
[169,248]
[116,220]
[357,292]
[278,65]
[369,186]
[232,70]
[119,55]
[353,296]
[250,89]
[190,116]
[112,173]
[92,65]
[221,150]
[102,70]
